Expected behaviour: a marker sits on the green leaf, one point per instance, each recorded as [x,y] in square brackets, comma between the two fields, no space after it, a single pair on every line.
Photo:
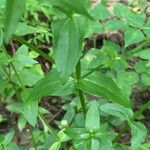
[92,121]
[8,137]
[14,11]
[77,133]
[145,79]
[133,19]
[145,54]
[133,36]
[30,111]
[125,80]
[146,27]
[67,43]
[95,144]
[102,85]
[114,24]
[139,132]
[68,6]
[69,115]
[55,146]
[24,29]
[105,144]
[50,85]
[100,12]
[28,108]
[1,37]
[29,76]
[21,122]
[117,110]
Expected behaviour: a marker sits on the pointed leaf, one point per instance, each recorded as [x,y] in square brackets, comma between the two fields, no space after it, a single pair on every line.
[14,11]
[67,43]
[30,111]
[50,85]
[117,111]
[102,85]
[92,121]
[138,131]
[133,36]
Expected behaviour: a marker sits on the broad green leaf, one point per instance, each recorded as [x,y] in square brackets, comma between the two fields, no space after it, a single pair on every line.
[29,76]
[30,111]
[3,59]
[105,144]
[50,85]
[24,29]
[145,79]
[117,110]
[95,144]
[28,108]
[138,131]
[114,24]
[77,133]
[125,80]
[141,67]
[8,137]
[21,60]
[100,12]
[102,85]
[133,19]
[133,36]
[12,146]
[55,146]
[67,43]
[92,121]
[145,54]
[93,59]
[68,7]
[14,11]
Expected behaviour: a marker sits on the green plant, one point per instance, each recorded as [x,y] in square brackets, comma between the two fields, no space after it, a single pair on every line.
[95,85]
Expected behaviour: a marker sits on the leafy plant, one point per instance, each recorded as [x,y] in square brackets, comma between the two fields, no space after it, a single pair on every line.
[94,86]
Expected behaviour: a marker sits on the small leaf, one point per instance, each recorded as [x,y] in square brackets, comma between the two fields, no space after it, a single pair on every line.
[21,122]
[138,131]
[133,36]
[77,133]
[12,17]
[55,146]
[100,12]
[30,111]
[102,85]
[24,29]
[117,111]
[133,19]
[8,137]
[92,121]
[95,144]
[145,54]
[28,108]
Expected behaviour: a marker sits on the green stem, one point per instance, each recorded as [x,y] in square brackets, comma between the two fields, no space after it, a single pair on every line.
[81,95]
[33,139]
[51,130]
[118,136]
[93,70]
[23,41]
